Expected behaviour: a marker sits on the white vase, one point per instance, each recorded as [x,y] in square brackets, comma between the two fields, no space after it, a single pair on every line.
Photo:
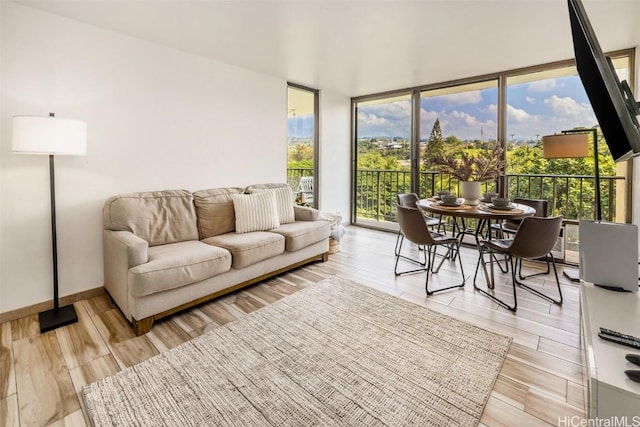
[470,191]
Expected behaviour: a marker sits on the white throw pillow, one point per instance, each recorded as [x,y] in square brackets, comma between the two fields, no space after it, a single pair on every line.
[284,203]
[255,212]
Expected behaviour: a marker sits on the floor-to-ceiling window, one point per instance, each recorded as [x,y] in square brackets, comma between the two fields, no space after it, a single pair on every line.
[393,135]
[302,143]
[454,119]
[383,157]
[552,100]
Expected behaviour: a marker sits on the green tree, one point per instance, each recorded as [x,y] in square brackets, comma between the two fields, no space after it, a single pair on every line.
[375,160]
[299,152]
[435,145]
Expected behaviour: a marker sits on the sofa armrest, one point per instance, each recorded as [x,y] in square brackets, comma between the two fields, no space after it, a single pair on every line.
[135,247]
[122,251]
[305,213]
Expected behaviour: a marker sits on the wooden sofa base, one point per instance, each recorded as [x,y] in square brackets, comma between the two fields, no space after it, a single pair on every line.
[142,326]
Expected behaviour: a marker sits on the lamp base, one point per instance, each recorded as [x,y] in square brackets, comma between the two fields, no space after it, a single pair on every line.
[53,319]
[572,275]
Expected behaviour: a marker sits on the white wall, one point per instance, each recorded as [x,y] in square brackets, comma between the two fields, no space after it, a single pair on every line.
[157,119]
[335,154]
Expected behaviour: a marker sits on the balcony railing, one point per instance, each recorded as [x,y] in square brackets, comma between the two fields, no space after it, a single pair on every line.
[569,195]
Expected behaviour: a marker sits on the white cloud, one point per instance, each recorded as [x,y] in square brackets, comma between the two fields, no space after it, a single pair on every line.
[518,115]
[569,108]
[463,98]
[391,119]
[530,100]
[459,124]
[543,85]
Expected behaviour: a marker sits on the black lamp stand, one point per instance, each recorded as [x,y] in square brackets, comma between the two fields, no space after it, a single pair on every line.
[58,316]
[571,274]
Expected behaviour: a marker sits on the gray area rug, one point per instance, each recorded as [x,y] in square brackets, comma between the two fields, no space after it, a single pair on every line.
[334,354]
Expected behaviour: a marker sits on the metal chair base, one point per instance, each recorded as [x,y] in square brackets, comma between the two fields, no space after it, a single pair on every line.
[514,280]
[430,267]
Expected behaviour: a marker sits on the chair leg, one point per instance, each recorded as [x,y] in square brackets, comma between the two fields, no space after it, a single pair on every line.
[513,307]
[451,248]
[540,294]
[523,277]
[399,255]
[398,248]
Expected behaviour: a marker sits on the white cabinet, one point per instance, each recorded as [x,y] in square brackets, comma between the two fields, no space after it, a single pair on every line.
[609,393]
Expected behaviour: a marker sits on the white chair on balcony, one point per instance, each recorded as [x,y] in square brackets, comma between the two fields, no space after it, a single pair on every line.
[305,187]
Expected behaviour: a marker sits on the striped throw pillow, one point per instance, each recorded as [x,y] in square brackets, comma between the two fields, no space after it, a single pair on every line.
[255,212]
[284,202]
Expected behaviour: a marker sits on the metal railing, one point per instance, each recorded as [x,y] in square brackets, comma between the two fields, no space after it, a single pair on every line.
[569,195]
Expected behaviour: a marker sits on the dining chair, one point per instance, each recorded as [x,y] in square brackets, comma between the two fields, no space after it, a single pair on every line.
[411,200]
[414,228]
[510,227]
[535,238]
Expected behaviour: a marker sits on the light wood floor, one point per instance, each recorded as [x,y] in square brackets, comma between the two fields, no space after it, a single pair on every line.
[541,381]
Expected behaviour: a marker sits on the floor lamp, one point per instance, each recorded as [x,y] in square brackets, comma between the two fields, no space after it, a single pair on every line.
[575,144]
[51,136]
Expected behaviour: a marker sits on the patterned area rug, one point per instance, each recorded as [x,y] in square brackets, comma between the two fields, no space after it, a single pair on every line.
[334,354]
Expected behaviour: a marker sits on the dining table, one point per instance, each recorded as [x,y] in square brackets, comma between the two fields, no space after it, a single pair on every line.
[484,212]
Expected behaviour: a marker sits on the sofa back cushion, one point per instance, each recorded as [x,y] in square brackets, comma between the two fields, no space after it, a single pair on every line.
[215,211]
[159,217]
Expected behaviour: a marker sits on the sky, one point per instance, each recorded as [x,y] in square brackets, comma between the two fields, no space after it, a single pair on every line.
[534,109]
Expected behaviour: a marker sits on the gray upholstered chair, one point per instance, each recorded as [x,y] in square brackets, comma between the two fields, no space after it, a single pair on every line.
[414,228]
[534,239]
[510,227]
[411,200]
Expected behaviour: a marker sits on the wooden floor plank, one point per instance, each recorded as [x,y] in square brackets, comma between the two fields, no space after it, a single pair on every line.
[167,334]
[25,327]
[7,373]
[45,390]
[535,378]
[80,342]
[498,413]
[9,415]
[560,350]
[560,367]
[510,391]
[551,410]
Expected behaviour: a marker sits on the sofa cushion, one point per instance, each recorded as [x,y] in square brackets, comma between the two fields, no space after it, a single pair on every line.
[301,234]
[177,264]
[215,211]
[284,200]
[255,212]
[159,217]
[249,248]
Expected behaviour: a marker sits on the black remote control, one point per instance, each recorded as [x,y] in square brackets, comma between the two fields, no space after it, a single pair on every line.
[620,340]
[619,334]
[633,358]
[633,375]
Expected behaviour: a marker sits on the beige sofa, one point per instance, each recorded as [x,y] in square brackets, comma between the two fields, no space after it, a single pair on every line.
[169,250]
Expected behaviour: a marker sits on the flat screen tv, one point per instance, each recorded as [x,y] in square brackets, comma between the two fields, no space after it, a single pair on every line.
[612,101]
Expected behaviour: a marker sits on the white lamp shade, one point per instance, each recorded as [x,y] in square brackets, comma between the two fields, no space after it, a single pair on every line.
[571,145]
[49,135]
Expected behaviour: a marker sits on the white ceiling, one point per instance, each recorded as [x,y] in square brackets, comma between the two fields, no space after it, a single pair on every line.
[358,47]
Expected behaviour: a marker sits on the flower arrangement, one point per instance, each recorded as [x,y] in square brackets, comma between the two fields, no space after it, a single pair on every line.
[486,165]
